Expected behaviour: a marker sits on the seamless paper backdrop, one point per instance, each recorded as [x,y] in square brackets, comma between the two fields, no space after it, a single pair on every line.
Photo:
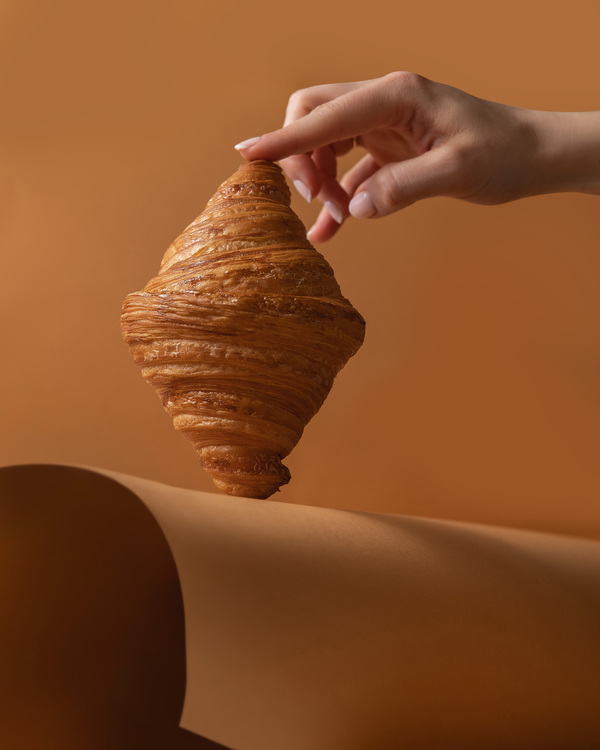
[476,395]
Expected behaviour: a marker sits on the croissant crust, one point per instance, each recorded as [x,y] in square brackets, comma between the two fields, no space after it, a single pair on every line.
[242,331]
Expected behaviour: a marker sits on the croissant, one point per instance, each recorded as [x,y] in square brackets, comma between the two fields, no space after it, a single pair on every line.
[243,331]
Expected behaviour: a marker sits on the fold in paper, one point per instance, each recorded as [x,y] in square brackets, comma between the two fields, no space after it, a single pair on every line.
[315,629]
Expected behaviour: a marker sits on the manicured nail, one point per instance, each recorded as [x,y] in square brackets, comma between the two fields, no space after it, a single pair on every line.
[334,211]
[246,144]
[304,190]
[310,231]
[361,206]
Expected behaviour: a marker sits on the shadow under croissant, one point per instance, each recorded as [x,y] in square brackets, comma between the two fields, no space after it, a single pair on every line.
[92,654]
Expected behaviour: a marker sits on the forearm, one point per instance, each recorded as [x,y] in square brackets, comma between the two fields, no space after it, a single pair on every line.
[567,157]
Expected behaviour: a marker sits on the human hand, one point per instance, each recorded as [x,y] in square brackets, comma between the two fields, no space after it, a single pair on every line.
[423,139]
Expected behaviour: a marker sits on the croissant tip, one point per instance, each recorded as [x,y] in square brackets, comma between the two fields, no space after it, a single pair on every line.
[247,490]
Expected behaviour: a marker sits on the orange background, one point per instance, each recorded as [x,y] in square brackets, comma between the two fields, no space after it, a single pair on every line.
[477,393]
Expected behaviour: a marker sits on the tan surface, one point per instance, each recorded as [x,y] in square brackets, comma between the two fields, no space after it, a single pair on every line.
[305,628]
[475,396]
[92,652]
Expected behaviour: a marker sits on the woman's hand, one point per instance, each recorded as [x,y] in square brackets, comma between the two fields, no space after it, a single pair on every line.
[423,139]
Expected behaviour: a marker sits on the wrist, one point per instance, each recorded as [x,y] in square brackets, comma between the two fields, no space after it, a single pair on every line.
[567,153]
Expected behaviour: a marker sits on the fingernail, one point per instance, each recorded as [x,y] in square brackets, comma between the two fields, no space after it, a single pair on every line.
[304,190]
[310,231]
[334,211]
[362,207]
[246,144]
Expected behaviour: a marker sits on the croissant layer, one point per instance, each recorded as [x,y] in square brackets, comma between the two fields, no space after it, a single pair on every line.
[243,331]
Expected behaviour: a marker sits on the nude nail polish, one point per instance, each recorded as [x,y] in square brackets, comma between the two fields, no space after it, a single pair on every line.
[247,143]
[304,190]
[334,211]
[361,206]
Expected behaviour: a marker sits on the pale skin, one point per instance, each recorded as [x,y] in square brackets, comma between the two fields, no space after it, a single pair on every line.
[424,139]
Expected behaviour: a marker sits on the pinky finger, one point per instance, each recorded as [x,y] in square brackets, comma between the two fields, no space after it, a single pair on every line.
[324,227]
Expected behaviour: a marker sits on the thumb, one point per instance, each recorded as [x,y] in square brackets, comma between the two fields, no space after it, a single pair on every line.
[398,184]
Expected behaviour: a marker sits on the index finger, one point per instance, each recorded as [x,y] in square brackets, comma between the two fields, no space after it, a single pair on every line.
[347,116]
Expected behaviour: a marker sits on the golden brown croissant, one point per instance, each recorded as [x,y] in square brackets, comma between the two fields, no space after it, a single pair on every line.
[243,331]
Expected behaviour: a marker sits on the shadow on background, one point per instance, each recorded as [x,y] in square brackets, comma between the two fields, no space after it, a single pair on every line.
[92,654]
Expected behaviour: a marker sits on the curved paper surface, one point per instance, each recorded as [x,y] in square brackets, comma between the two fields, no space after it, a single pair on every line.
[305,628]
[92,654]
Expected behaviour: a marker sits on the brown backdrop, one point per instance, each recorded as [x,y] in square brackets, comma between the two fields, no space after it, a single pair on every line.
[477,394]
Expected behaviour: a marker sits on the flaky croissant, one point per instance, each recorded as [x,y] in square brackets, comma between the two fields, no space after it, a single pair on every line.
[243,331]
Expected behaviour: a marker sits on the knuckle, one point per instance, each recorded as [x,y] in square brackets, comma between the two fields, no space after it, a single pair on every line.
[404,79]
[392,189]
[297,97]
[298,104]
